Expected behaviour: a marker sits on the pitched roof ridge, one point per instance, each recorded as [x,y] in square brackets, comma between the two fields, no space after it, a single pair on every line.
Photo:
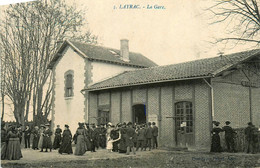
[105,47]
[227,56]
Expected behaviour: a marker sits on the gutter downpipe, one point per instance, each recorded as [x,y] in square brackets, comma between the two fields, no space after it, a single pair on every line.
[212,100]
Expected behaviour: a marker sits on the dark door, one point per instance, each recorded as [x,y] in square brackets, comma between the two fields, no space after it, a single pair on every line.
[139,114]
[184,122]
[103,116]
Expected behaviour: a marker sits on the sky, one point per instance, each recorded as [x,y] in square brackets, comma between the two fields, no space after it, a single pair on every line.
[180,32]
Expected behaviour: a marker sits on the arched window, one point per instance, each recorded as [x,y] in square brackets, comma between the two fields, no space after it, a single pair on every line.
[69,83]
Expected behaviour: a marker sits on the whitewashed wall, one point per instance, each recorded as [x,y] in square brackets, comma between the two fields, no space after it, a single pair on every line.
[102,70]
[69,110]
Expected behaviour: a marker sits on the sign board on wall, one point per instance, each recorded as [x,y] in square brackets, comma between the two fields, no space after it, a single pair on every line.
[153,118]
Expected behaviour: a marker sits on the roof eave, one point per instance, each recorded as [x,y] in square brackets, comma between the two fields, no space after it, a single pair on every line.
[147,83]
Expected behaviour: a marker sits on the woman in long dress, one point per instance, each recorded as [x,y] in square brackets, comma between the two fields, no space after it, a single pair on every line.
[122,142]
[88,138]
[41,137]
[65,146]
[81,147]
[215,142]
[47,133]
[13,151]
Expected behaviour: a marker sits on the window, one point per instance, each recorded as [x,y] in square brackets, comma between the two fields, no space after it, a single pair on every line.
[184,117]
[69,84]
[103,116]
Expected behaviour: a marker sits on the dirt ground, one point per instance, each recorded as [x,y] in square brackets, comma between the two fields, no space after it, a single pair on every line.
[154,158]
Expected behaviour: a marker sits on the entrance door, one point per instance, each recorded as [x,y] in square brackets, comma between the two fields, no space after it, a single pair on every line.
[184,124]
[103,116]
[139,114]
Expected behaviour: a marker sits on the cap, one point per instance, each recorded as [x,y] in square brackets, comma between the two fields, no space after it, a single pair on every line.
[227,122]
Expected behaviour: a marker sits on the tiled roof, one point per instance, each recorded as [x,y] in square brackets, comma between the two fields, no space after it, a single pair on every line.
[208,67]
[100,53]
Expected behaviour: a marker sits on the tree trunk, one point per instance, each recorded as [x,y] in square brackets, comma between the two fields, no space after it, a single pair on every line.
[3,107]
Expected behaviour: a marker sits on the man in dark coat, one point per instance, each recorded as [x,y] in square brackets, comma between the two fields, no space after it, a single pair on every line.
[97,136]
[140,138]
[102,134]
[155,135]
[4,141]
[229,137]
[149,135]
[57,139]
[130,134]
[36,137]
[47,138]
[254,139]
[27,136]
[93,137]
[249,137]
[115,135]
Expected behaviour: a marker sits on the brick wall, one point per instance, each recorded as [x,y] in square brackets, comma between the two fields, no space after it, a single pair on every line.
[167,128]
[202,115]
[126,106]
[231,103]
[183,92]
[92,111]
[153,100]
[139,96]
[103,98]
[115,107]
[256,106]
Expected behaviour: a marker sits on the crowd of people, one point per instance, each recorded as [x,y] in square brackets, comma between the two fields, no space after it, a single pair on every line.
[122,138]
[251,137]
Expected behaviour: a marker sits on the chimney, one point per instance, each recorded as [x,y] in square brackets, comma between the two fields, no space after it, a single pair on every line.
[124,50]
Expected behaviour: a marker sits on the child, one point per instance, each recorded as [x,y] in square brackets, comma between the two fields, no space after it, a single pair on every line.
[110,143]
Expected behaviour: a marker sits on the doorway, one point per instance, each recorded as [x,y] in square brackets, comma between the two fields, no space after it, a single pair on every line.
[184,124]
[139,114]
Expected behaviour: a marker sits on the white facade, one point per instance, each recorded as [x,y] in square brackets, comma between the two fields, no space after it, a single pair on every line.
[69,110]
[101,71]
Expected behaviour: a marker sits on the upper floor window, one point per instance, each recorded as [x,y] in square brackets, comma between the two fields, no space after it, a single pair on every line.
[69,83]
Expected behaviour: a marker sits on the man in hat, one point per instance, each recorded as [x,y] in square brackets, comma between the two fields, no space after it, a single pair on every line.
[36,137]
[27,136]
[47,138]
[249,137]
[102,134]
[149,135]
[130,134]
[229,137]
[97,134]
[155,135]
[92,136]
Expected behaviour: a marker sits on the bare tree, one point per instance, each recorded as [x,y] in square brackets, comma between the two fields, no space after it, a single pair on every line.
[30,33]
[241,17]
